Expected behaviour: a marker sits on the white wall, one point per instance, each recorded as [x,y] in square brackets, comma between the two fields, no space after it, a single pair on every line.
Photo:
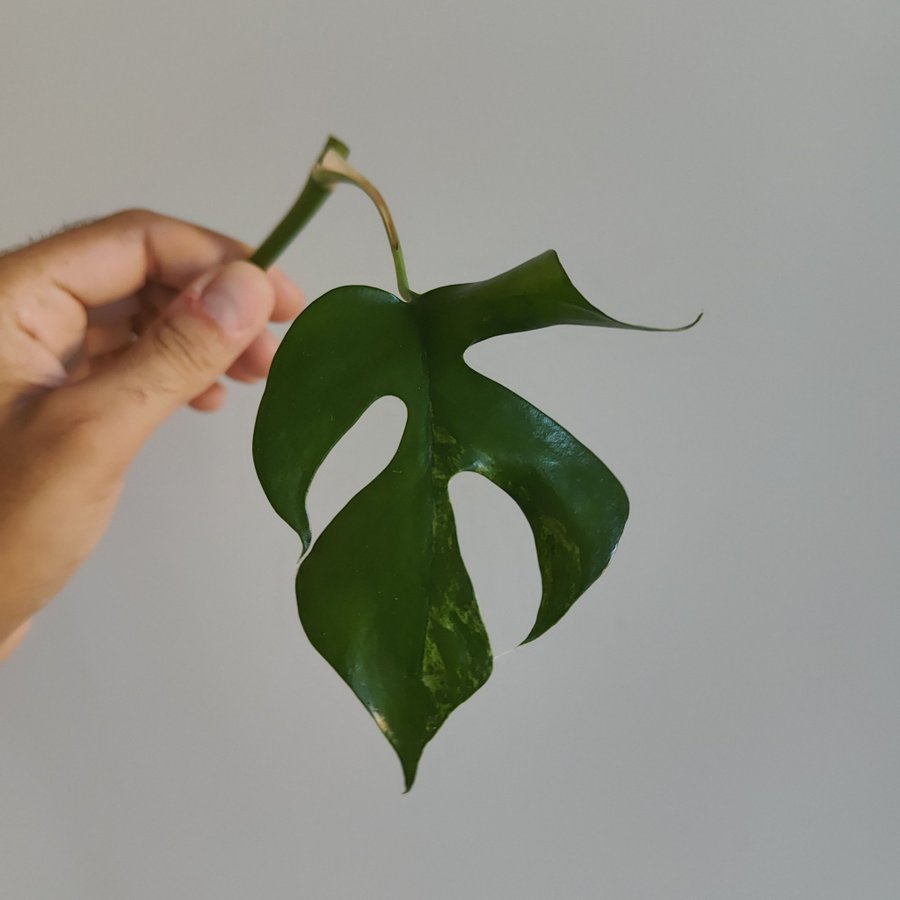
[718,716]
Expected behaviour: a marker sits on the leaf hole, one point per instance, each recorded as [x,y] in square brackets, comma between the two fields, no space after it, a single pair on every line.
[497,548]
[356,459]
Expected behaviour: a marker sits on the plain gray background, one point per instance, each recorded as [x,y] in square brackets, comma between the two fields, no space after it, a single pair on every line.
[718,716]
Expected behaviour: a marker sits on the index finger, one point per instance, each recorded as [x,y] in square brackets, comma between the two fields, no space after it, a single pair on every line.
[115,256]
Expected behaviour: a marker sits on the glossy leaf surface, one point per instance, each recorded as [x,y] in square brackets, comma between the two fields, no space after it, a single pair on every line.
[383,594]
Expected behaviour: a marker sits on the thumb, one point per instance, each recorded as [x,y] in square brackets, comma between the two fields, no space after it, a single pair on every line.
[196,338]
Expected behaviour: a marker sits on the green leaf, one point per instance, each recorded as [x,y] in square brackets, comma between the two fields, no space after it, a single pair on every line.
[383,594]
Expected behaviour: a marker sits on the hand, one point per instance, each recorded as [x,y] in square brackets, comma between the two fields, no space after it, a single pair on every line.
[105,330]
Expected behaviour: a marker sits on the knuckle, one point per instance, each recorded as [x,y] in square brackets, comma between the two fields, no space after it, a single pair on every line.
[134,215]
[182,351]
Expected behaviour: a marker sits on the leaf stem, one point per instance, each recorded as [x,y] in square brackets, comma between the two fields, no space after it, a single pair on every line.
[305,207]
[330,169]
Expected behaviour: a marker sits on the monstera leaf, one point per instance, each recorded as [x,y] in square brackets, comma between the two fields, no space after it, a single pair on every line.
[383,593]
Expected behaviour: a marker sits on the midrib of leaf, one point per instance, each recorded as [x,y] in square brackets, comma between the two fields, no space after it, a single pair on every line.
[430,444]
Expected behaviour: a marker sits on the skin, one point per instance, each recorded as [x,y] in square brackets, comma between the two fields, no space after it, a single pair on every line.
[105,330]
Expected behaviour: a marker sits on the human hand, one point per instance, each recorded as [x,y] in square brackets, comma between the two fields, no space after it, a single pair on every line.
[105,330]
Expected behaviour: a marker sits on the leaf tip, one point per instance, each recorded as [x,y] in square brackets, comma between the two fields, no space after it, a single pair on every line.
[409,754]
[686,327]
[533,635]
[410,764]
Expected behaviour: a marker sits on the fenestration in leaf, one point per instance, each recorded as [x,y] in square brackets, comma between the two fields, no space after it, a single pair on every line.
[383,594]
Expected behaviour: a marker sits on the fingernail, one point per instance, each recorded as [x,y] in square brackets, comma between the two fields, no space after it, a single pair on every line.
[224,301]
